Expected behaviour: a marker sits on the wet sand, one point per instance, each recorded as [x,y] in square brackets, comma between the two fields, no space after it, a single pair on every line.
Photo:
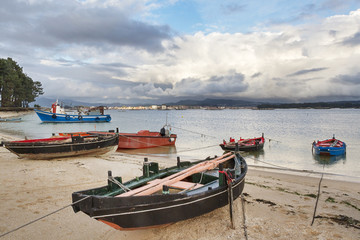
[278,205]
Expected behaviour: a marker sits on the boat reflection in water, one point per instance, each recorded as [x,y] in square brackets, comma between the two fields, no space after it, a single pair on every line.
[156,150]
[254,154]
[328,160]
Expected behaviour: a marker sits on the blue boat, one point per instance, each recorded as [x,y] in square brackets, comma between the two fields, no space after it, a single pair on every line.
[330,147]
[58,115]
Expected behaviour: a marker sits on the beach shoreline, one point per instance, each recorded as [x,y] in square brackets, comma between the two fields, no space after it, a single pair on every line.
[278,204]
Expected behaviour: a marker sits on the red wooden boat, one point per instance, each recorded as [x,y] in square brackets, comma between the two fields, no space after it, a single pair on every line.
[249,144]
[146,139]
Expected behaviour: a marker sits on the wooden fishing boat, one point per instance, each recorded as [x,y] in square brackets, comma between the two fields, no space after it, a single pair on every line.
[58,115]
[161,197]
[249,144]
[146,139]
[63,146]
[330,147]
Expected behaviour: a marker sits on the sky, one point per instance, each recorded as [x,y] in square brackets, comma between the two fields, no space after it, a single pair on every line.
[148,51]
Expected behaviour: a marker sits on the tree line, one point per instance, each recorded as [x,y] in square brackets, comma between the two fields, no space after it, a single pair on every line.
[16,88]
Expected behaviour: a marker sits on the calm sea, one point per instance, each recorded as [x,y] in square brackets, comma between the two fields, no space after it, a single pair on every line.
[289,134]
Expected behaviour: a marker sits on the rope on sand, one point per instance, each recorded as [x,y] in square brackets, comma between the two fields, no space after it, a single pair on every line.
[38,219]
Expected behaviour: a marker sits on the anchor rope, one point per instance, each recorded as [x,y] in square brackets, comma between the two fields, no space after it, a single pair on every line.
[42,217]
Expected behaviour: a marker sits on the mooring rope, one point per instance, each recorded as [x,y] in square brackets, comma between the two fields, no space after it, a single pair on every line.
[318,196]
[38,219]
[202,134]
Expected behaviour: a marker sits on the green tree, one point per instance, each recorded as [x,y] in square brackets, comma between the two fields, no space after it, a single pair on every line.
[16,88]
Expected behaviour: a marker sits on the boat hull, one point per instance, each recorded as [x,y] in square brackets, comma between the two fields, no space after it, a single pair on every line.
[160,211]
[330,147]
[145,139]
[55,149]
[147,211]
[69,118]
[329,151]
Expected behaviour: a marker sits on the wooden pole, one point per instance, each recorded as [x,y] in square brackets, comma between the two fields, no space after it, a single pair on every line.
[230,197]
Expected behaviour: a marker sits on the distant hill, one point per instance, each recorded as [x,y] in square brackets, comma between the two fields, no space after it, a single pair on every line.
[213,102]
[338,104]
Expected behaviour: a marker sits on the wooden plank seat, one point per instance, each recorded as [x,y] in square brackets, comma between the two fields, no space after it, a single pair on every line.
[179,184]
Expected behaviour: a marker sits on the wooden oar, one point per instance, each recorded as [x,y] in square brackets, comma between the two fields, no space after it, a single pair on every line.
[157,186]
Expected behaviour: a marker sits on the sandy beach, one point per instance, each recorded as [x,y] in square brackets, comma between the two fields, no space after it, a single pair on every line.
[278,205]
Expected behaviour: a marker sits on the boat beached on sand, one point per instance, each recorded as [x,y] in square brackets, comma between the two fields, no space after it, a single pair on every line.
[330,147]
[249,144]
[63,146]
[58,115]
[146,139]
[161,197]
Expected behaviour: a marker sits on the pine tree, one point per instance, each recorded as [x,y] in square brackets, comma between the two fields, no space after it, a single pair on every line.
[16,88]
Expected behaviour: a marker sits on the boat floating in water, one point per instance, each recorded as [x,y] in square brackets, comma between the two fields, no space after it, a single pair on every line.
[161,197]
[249,144]
[330,147]
[58,115]
[63,146]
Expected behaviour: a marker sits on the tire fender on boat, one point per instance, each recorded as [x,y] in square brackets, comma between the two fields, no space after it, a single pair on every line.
[67,117]
[53,116]
[80,117]
[108,118]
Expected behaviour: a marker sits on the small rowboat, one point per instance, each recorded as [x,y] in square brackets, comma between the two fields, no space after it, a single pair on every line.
[63,146]
[249,144]
[330,147]
[161,197]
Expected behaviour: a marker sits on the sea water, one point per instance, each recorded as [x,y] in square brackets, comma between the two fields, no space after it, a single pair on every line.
[289,134]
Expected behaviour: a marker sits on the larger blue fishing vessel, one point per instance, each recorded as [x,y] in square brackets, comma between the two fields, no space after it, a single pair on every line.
[58,115]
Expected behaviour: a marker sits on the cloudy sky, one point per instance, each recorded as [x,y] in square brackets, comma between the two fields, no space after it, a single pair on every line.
[148,51]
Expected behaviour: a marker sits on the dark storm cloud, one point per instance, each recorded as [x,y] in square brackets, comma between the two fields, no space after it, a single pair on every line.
[68,22]
[305,71]
[163,86]
[258,74]
[347,79]
[231,83]
[353,40]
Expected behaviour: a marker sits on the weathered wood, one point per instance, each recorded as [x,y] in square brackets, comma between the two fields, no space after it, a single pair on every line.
[157,186]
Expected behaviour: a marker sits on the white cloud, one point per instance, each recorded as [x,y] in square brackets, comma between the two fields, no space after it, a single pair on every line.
[122,58]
